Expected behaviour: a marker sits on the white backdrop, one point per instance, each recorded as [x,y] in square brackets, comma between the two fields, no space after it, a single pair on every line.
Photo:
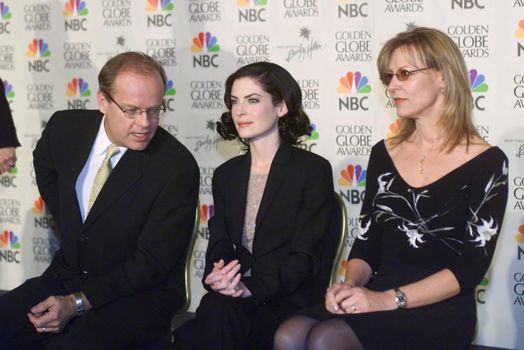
[51,52]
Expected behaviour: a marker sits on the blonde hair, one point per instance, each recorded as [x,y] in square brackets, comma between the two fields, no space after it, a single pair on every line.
[437,51]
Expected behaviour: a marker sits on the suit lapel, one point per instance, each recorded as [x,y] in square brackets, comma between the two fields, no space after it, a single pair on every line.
[276,176]
[124,175]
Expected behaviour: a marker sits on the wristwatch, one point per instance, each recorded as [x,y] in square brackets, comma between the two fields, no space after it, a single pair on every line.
[79,304]
[400,298]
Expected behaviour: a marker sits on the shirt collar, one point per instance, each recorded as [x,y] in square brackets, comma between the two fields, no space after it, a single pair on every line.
[102,141]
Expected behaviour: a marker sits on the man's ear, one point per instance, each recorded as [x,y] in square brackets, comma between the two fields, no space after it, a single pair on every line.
[102,101]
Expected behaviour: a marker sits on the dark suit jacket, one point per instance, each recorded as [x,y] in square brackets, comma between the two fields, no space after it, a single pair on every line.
[133,241]
[290,225]
[7,127]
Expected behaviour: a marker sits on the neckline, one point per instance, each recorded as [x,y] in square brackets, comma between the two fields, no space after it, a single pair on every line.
[458,168]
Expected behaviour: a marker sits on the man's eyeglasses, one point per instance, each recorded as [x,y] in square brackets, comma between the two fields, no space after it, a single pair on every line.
[401,74]
[152,113]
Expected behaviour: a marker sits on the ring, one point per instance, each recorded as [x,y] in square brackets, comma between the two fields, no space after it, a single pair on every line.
[44,329]
[353,308]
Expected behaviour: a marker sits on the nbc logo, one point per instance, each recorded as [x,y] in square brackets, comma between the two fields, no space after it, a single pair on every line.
[9,247]
[43,217]
[478,85]
[205,212]
[75,8]
[159,13]
[314,133]
[9,179]
[519,238]
[352,9]
[8,88]
[481,290]
[169,95]
[310,144]
[5,16]
[78,90]
[352,175]
[205,48]
[251,10]
[519,34]
[393,128]
[38,50]
[353,82]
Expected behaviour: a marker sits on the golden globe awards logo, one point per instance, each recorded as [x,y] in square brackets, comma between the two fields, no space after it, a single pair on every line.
[206,94]
[159,13]
[353,46]
[471,39]
[116,13]
[10,211]
[37,17]
[406,6]
[354,140]
[518,91]
[310,93]
[75,12]
[7,61]
[251,10]
[300,8]
[204,11]
[518,193]
[352,9]
[40,96]
[252,48]
[162,50]
[77,55]
[206,180]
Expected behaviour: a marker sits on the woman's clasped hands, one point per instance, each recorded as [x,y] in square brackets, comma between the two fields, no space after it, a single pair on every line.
[225,279]
[343,298]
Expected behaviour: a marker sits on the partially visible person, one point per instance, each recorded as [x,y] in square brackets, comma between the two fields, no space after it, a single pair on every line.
[8,139]
[272,209]
[435,200]
[123,193]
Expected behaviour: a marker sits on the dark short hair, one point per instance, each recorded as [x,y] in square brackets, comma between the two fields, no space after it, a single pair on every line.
[279,83]
[131,61]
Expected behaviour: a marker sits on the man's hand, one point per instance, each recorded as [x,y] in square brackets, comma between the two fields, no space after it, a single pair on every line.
[52,314]
[7,159]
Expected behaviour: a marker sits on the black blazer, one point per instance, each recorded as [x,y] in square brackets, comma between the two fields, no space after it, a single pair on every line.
[7,127]
[133,241]
[291,223]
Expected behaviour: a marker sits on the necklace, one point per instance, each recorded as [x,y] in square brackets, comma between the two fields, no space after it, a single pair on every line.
[421,165]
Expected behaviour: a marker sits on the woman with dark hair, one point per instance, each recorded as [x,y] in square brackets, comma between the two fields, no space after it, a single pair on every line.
[434,204]
[272,208]
[8,139]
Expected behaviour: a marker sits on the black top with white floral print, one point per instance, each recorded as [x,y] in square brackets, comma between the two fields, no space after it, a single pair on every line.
[451,223]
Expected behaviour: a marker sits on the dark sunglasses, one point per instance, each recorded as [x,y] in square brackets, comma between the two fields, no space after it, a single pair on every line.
[401,74]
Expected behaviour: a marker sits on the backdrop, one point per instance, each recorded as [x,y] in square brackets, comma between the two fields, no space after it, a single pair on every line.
[51,52]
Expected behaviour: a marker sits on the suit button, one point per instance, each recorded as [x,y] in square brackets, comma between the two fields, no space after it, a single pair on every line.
[83,238]
[85,272]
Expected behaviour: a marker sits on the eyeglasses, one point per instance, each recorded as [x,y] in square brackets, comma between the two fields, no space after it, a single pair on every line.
[401,74]
[152,113]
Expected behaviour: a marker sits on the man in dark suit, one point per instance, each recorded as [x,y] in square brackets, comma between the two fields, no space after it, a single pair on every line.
[8,139]
[118,276]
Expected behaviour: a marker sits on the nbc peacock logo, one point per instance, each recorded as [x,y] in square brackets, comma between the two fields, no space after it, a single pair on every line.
[75,8]
[169,100]
[38,48]
[314,133]
[8,240]
[519,34]
[8,88]
[351,83]
[519,236]
[393,128]
[5,12]
[78,87]
[38,206]
[206,212]
[478,86]
[159,13]
[159,5]
[205,50]
[481,290]
[78,92]
[352,175]
[43,217]
[251,10]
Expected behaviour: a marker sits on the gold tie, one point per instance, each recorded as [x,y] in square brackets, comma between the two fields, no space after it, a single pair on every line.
[102,174]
